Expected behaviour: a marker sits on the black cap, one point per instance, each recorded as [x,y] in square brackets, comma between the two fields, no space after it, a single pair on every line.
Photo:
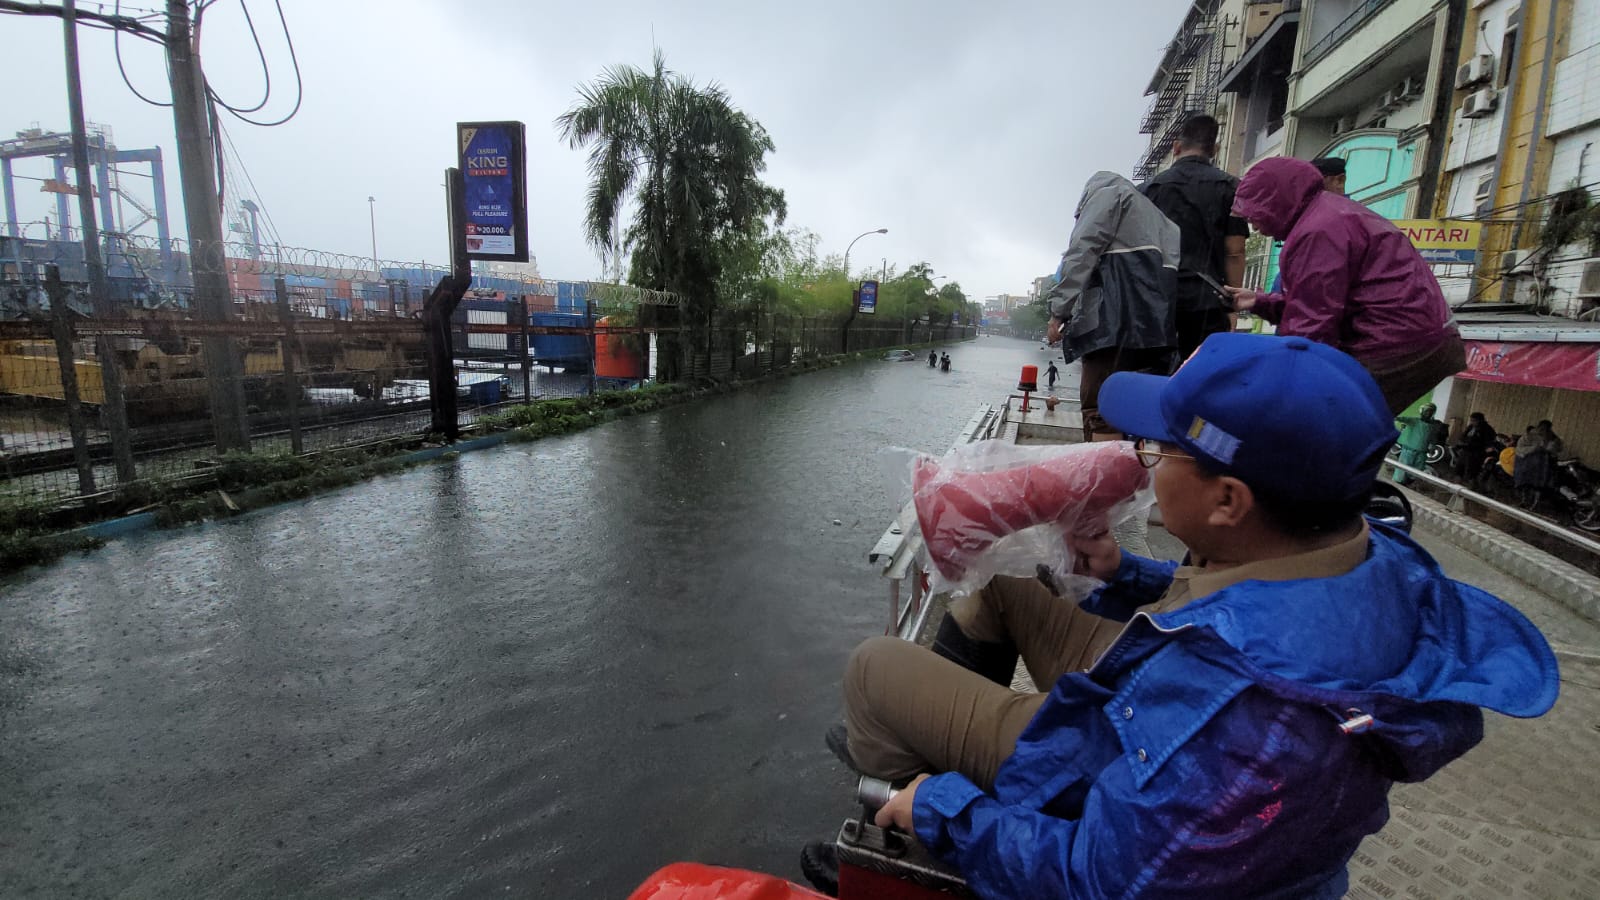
[1329,166]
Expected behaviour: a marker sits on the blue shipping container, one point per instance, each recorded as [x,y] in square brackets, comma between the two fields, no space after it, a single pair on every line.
[565,350]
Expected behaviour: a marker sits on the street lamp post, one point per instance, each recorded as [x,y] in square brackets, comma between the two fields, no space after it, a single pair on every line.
[855,304]
[372,218]
[853,243]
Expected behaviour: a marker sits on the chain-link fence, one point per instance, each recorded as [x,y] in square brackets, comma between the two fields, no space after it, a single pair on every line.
[95,397]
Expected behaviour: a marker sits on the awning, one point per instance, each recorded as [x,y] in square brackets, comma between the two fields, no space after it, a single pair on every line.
[1572,366]
[1287,23]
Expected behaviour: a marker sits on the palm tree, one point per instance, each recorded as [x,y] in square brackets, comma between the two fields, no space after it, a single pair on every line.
[688,163]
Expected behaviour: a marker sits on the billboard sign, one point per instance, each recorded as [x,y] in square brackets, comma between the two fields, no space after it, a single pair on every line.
[869,297]
[494,178]
[1443,240]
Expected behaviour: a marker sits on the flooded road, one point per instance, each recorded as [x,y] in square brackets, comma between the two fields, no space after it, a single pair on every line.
[542,670]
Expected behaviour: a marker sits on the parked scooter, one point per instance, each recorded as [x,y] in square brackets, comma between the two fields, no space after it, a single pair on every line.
[1578,488]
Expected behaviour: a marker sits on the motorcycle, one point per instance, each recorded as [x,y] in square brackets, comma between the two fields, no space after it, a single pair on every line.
[1436,456]
[1571,494]
[1578,487]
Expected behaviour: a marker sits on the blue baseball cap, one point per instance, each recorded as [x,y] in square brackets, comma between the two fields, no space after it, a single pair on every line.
[1287,416]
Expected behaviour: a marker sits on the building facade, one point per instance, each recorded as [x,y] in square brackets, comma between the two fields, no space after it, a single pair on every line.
[1478,111]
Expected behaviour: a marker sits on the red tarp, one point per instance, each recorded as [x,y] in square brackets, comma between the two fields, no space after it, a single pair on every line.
[1572,366]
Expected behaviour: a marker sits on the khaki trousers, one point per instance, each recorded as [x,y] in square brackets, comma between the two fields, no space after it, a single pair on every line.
[909,710]
[1404,379]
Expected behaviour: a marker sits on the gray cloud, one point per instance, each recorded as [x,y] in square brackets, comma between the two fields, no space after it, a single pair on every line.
[965,129]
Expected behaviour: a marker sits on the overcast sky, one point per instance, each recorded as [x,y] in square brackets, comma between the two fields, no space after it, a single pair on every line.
[966,129]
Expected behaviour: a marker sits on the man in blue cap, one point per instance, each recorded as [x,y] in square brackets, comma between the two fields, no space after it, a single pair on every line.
[1240,736]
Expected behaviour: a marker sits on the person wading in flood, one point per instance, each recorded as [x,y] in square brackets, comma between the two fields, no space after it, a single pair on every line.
[1052,374]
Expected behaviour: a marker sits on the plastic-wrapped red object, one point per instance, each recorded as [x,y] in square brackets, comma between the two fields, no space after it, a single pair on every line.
[693,881]
[962,513]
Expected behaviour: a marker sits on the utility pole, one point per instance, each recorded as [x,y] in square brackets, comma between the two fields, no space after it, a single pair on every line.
[202,209]
[115,413]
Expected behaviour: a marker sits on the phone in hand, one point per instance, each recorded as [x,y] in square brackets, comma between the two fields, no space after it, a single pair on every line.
[1223,297]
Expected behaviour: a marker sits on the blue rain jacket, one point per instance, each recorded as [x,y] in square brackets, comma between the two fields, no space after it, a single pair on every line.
[1243,744]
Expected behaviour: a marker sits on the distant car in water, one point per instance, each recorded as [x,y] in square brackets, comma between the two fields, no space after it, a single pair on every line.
[900,356]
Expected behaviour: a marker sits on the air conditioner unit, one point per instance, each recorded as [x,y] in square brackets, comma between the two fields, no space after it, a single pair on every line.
[1409,89]
[1515,262]
[1388,101]
[1589,281]
[1480,103]
[1477,69]
[1343,124]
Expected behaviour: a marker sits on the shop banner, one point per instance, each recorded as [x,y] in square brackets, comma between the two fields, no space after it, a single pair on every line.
[1443,240]
[1571,366]
[494,178]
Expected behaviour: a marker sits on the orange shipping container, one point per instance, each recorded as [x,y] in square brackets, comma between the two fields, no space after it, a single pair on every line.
[618,355]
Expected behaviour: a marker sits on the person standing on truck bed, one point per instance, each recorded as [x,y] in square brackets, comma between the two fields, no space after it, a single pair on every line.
[1198,198]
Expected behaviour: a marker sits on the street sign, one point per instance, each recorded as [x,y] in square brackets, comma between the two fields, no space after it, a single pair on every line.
[494,176]
[869,297]
[1443,240]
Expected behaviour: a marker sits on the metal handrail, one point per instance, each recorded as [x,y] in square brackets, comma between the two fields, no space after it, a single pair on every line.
[1521,515]
[1344,29]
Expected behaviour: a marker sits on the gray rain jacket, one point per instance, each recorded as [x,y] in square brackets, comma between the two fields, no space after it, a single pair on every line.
[1118,278]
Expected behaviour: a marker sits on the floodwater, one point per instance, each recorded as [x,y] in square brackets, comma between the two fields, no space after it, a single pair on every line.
[541,670]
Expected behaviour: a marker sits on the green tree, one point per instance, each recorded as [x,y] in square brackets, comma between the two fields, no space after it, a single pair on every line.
[689,163]
[1028,320]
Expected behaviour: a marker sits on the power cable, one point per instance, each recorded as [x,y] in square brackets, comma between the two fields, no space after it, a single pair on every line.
[266,71]
[116,45]
[299,83]
[261,202]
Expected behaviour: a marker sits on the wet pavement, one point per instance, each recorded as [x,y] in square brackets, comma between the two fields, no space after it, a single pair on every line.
[544,669]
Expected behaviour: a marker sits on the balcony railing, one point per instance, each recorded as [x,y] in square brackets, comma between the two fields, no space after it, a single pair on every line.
[1344,29]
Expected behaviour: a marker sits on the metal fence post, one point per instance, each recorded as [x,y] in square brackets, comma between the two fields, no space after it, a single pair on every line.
[61,328]
[527,355]
[588,323]
[291,382]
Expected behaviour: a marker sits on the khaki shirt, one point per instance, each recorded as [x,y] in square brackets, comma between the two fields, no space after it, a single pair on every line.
[1193,582]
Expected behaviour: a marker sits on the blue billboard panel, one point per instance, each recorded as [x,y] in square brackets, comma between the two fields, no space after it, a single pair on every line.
[869,297]
[494,182]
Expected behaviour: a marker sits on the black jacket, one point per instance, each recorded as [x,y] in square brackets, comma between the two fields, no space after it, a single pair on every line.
[1198,198]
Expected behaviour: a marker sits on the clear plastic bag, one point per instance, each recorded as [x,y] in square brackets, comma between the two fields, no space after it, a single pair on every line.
[995,508]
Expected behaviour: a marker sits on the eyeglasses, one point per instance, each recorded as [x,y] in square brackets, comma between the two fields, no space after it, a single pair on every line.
[1150,453]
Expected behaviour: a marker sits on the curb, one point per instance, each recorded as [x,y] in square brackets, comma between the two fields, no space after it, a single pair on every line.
[1562,581]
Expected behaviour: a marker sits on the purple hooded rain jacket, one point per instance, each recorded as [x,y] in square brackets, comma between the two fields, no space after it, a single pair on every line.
[1351,279]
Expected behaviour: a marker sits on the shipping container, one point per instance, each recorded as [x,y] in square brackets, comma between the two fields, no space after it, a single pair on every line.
[569,351]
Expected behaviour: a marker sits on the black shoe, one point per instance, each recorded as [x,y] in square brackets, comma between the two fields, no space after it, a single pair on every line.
[838,741]
[819,862]
[994,661]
